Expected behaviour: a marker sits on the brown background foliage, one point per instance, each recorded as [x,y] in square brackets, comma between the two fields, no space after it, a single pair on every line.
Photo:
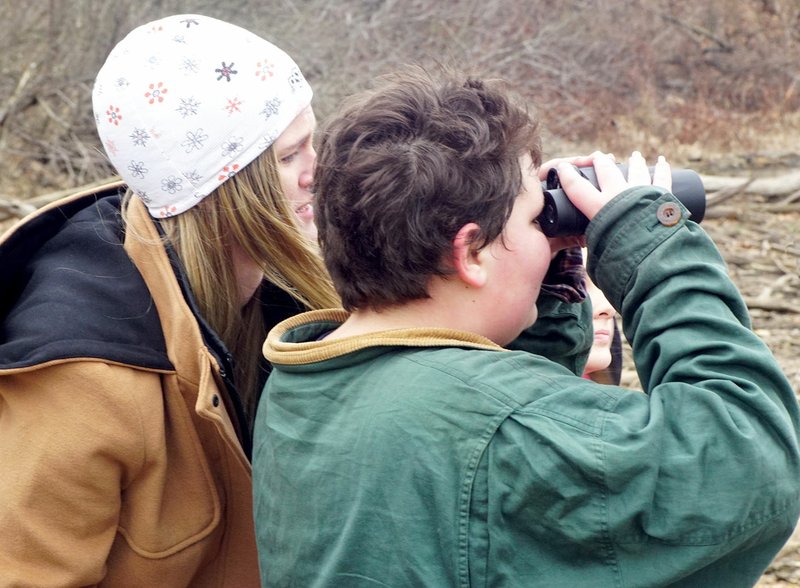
[679,76]
[713,84]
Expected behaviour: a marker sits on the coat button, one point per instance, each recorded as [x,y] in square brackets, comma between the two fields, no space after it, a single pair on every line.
[669,214]
[215,400]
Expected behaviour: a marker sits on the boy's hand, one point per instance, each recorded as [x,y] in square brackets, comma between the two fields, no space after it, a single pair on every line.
[589,200]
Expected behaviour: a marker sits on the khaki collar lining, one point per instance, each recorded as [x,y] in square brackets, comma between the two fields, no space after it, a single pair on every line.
[285,353]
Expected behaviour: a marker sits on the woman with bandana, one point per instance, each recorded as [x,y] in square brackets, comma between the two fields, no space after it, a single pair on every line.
[133,316]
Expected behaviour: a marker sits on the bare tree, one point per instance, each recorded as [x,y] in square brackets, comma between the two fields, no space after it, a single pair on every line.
[613,72]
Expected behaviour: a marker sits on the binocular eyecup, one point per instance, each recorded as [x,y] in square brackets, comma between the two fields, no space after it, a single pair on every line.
[560,218]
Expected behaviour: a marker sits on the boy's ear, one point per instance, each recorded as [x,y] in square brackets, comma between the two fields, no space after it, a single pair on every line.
[467,258]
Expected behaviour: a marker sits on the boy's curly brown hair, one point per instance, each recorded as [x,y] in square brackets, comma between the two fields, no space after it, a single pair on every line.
[402,167]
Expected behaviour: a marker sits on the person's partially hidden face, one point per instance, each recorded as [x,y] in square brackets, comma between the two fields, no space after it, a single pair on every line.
[603,321]
[520,259]
[296,156]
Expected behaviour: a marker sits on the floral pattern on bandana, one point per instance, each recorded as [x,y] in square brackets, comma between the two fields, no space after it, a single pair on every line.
[185,102]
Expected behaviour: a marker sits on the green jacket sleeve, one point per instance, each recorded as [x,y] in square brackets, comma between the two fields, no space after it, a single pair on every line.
[694,482]
[710,455]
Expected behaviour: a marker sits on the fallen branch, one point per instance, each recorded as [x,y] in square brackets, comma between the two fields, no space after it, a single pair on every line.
[783,248]
[722,212]
[726,193]
[771,305]
[780,207]
[42,199]
[775,186]
[16,95]
[15,208]
[721,43]
[791,198]
[781,282]
[787,272]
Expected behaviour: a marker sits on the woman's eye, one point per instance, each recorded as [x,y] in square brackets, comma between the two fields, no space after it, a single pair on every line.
[288,158]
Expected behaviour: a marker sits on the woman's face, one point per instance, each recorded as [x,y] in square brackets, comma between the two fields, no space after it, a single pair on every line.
[296,156]
[603,320]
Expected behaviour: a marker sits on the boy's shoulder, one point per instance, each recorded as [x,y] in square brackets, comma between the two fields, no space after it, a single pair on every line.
[524,381]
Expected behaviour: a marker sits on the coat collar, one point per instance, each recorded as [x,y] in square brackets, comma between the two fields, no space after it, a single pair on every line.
[70,291]
[296,341]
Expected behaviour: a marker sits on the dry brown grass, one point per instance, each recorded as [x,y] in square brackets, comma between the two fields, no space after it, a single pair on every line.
[672,76]
[713,84]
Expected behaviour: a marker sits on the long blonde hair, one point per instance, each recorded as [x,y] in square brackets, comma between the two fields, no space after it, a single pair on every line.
[249,209]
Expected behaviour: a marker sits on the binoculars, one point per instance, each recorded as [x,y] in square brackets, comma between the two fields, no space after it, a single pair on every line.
[560,218]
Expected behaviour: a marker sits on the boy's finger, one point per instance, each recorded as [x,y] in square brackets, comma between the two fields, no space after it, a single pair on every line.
[638,174]
[662,174]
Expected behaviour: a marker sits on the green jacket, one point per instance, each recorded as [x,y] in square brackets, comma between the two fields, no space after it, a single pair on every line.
[435,458]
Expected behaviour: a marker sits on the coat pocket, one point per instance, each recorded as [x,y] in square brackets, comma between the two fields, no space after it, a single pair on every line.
[174,502]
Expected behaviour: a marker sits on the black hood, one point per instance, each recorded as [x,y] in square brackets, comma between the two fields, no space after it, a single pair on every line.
[69,290]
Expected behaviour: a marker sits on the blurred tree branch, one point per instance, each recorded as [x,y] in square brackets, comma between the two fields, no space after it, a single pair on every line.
[610,73]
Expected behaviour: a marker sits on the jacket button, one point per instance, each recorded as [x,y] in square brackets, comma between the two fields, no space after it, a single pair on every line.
[215,400]
[669,214]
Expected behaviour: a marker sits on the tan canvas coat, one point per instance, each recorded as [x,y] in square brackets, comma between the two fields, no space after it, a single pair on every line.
[125,475]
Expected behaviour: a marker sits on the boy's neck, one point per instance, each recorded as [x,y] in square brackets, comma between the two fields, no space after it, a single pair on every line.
[406,316]
[450,306]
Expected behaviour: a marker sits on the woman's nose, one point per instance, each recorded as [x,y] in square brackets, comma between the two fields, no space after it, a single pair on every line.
[306,178]
[307,175]
[604,310]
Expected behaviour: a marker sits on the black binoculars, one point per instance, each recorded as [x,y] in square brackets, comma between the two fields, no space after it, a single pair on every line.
[560,218]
